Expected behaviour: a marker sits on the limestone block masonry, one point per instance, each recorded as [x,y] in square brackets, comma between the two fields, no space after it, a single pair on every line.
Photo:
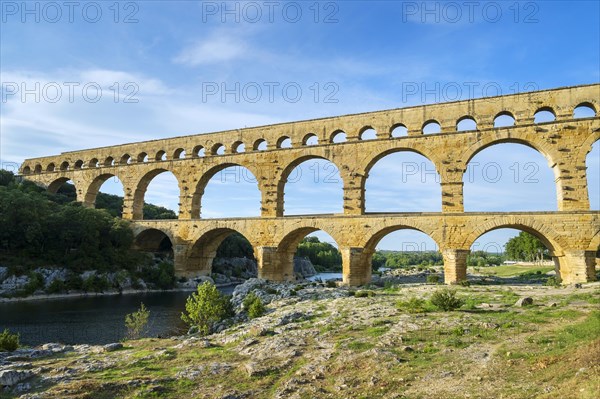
[571,233]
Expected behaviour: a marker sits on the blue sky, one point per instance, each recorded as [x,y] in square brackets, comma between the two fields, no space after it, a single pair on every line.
[168,58]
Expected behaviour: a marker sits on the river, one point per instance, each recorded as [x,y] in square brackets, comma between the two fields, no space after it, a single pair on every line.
[97,319]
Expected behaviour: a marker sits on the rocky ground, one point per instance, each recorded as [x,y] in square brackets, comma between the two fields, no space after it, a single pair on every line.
[322,342]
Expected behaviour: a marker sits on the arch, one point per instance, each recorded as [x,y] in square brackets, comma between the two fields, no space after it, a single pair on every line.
[431,127]
[584,110]
[310,139]
[109,161]
[516,177]
[142,157]
[260,145]
[142,187]
[288,247]
[125,159]
[198,151]
[206,177]
[204,250]
[544,115]
[155,241]
[466,123]
[398,130]
[51,167]
[504,119]
[93,163]
[546,235]
[367,133]
[179,153]
[217,149]
[26,170]
[284,142]
[78,164]
[38,168]
[57,184]
[327,179]
[93,189]
[229,190]
[413,186]
[64,165]
[238,147]
[339,136]
[375,239]
[495,141]
[160,156]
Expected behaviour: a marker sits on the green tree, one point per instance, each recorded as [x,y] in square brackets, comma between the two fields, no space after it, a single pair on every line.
[526,247]
[136,322]
[206,307]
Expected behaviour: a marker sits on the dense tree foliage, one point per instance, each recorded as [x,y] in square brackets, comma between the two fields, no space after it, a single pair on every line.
[235,246]
[48,228]
[394,259]
[482,258]
[526,247]
[322,255]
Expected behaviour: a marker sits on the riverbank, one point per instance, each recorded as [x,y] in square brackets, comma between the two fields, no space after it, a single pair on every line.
[327,343]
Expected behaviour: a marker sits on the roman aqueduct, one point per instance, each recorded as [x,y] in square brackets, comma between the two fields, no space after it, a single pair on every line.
[571,233]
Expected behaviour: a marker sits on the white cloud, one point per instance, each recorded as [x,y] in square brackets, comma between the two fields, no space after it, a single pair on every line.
[221,46]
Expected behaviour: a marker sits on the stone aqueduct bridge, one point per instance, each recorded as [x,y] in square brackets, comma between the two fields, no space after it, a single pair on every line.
[571,233]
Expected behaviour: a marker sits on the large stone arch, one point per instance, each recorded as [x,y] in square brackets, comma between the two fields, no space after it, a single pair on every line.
[93,188]
[140,190]
[373,160]
[204,249]
[372,240]
[484,144]
[549,237]
[206,176]
[287,247]
[56,184]
[152,240]
[284,174]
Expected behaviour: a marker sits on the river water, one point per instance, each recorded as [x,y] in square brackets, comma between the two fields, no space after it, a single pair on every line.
[97,319]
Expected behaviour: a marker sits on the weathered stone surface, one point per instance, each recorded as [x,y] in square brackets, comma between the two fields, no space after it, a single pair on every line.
[13,377]
[571,234]
[525,301]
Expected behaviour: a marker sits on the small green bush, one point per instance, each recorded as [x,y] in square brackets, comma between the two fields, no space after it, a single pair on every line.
[253,305]
[433,279]
[464,283]
[446,300]
[56,287]
[414,305]
[206,307]
[364,294]
[330,284]
[256,309]
[136,322]
[9,342]
[552,281]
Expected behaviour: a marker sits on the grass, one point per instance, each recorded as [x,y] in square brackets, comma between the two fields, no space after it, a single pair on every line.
[529,349]
[514,270]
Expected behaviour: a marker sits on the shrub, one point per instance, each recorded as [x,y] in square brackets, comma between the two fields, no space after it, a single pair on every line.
[552,281]
[364,294]
[56,286]
[446,300]
[206,307]
[464,283]
[9,342]
[136,322]
[96,283]
[330,284]
[414,305]
[433,279]
[254,306]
